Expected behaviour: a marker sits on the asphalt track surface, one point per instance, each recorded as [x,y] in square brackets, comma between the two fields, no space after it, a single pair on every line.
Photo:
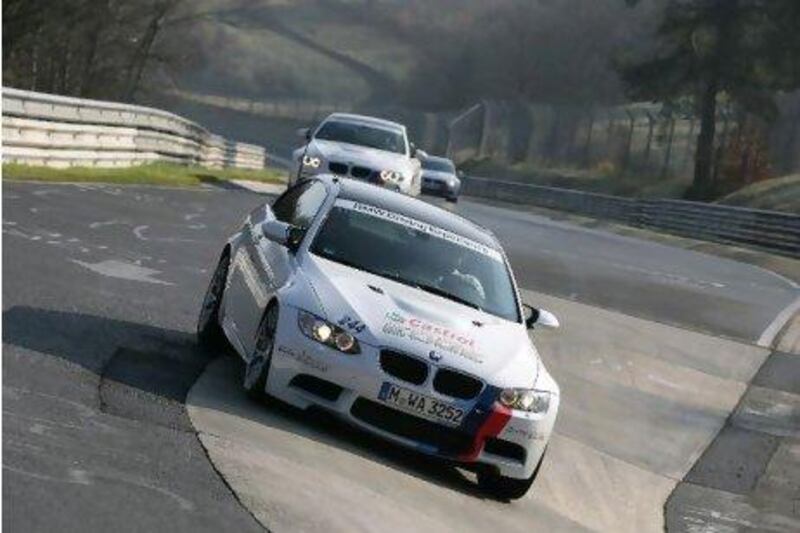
[101,290]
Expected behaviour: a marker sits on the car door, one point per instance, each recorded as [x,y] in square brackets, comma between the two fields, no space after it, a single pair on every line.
[271,265]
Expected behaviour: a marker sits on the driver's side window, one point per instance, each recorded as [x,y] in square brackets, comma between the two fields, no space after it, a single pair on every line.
[299,205]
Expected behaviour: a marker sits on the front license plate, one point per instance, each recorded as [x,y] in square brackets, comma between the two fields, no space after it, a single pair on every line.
[420,405]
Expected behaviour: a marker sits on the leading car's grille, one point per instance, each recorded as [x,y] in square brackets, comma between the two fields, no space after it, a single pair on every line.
[456,384]
[338,168]
[447,441]
[404,367]
[360,172]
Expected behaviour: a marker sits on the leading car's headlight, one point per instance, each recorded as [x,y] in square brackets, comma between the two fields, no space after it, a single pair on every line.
[326,333]
[310,161]
[534,401]
[391,175]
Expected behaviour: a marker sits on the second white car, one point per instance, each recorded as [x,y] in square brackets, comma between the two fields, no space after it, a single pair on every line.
[360,147]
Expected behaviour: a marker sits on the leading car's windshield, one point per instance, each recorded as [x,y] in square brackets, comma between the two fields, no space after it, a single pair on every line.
[362,135]
[418,254]
[441,165]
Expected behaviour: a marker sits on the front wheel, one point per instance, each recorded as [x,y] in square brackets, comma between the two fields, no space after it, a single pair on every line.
[506,488]
[257,370]
[209,331]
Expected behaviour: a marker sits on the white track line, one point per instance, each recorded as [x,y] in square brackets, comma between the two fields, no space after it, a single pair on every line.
[768,336]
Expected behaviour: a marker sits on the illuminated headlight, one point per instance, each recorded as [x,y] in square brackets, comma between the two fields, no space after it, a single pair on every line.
[326,333]
[313,162]
[451,183]
[534,401]
[391,175]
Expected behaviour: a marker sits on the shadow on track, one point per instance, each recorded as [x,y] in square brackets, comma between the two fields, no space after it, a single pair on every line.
[146,373]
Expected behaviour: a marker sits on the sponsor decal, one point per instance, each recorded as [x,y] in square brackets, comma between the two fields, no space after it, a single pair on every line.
[347,322]
[439,337]
[424,227]
[303,358]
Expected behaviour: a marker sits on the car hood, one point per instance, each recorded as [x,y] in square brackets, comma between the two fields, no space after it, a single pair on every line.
[413,321]
[359,155]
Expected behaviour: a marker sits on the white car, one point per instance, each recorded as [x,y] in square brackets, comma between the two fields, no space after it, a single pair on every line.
[398,316]
[360,147]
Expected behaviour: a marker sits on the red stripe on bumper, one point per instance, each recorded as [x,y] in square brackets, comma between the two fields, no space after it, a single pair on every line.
[492,427]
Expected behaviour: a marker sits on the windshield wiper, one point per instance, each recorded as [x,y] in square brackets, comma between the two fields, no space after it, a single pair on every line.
[444,294]
[399,279]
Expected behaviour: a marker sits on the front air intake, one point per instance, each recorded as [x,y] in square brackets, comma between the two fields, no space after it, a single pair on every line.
[404,367]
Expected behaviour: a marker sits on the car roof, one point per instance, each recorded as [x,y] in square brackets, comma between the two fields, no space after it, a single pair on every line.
[438,158]
[367,193]
[351,117]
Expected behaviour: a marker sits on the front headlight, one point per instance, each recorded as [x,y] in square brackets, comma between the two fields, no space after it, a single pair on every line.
[310,161]
[391,175]
[534,401]
[326,333]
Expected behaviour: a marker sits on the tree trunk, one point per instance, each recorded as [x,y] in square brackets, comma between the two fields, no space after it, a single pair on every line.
[726,12]
[101,17]
[704,155]
[141,55]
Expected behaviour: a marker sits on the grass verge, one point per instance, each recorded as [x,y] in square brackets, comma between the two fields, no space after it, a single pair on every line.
[152,174]
[632,184]
[777,194]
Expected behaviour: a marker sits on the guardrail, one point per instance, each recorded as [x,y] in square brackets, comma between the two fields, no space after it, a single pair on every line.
[61,131]
[769,230]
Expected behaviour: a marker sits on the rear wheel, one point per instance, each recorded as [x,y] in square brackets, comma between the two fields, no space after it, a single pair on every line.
[209,331]
[257,370]
[506,488]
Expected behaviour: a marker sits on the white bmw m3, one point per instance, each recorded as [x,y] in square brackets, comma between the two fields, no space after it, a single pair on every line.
[400,317]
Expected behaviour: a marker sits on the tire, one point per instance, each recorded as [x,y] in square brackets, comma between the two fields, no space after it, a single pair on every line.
[209,331]
[452,199]
[257,368]
[506,488]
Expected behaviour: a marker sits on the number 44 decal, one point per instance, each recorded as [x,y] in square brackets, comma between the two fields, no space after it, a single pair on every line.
[352,324]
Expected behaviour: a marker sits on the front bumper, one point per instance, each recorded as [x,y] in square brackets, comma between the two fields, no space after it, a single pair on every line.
[305,373]
[360,173]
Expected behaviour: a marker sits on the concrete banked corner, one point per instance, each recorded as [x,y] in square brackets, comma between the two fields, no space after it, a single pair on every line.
[641,402]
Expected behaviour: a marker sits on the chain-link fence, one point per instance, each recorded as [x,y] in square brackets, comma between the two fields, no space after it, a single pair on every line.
[641,139]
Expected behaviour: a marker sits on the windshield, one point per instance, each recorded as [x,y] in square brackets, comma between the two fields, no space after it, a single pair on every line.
[441,165]
[418,254]
[363,135]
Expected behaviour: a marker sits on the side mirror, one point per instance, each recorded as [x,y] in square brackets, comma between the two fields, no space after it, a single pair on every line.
[304,133]
[282,233]
[460,173]
[412,149]
[539,317]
